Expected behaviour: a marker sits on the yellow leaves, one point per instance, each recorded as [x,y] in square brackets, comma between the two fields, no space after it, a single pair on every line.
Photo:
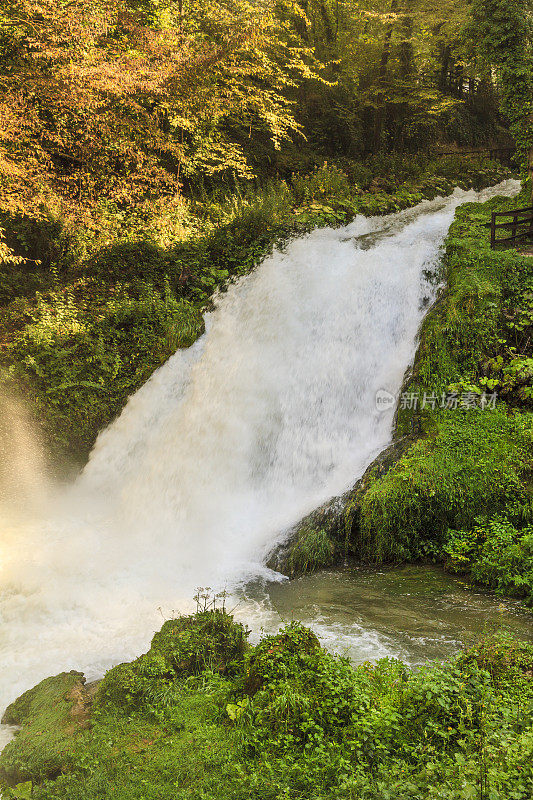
[107,104]
[8,167]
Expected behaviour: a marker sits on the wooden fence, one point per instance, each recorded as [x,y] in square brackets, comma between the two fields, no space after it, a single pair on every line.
[503,154]
[519,222]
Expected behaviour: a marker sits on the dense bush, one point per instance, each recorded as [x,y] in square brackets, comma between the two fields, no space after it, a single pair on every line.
[295,721]
[185,646]
[498,552]
[83,355]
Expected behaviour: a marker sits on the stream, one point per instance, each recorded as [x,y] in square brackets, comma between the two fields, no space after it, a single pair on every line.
[231,442]
[415,613]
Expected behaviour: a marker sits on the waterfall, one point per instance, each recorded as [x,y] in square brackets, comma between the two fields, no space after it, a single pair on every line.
[228,445]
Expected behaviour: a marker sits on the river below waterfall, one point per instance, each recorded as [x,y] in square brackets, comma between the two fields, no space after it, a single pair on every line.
[230,443]
[413,613]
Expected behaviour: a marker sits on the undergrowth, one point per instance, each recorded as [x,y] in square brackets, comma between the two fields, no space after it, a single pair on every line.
[291,720]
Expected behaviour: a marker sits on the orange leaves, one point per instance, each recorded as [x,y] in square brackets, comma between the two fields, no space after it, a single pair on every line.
[107,101]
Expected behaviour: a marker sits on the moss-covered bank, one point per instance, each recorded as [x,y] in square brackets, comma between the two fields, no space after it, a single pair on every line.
[204,716]
[456,486]
[86,322]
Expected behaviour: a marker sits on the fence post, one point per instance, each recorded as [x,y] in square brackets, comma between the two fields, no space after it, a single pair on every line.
[493,232]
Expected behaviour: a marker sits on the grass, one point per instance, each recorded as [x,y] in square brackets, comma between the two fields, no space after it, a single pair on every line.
[295,721]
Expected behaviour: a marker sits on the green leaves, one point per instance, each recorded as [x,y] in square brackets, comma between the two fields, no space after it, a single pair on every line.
[235,711]
[502,33]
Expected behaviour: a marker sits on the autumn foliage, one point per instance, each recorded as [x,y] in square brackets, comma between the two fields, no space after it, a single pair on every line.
[123,99]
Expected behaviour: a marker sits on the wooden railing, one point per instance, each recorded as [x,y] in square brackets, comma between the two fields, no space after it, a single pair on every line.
[520,224]
[503,154]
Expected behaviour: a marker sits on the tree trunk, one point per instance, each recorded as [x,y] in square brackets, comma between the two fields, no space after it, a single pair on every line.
[380,114]
[407,59]
[444,55]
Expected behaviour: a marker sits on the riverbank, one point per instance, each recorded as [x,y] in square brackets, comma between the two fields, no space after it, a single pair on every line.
[85,328]
[455,487]
[205,715]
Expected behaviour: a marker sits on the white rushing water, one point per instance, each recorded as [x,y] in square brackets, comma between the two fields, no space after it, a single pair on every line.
[229,444]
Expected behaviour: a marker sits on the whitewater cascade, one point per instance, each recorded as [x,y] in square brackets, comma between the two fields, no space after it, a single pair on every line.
[227,446]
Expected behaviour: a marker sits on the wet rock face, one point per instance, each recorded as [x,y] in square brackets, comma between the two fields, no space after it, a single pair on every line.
[329,534]
[312,543]
[82,697]
[378,469]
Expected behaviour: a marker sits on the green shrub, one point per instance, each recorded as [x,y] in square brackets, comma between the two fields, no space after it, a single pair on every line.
[501,654]
[205,640]
[186,646]
[496,553]
[325,182]
[45,744]
[86,364]
[277,656]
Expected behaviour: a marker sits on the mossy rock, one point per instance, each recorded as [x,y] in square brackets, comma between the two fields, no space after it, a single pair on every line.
[310,549]
[51,715]
[208,640]
[320,539]
[315,543]
[184,646]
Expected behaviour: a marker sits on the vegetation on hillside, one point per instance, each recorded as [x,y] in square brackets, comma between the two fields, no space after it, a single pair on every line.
[151,150]
[204,715]
[82,339]
[461,494]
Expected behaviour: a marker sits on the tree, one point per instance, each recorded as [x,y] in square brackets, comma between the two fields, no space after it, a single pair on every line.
[122,98]
[502,34]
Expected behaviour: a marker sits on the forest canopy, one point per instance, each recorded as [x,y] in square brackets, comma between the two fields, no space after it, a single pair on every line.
[135,99]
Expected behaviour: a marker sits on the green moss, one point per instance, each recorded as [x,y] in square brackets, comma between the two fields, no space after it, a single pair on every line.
[312,549]
[45,744]
[186,754]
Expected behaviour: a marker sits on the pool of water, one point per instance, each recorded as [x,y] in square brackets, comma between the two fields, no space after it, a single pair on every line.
[414,613]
